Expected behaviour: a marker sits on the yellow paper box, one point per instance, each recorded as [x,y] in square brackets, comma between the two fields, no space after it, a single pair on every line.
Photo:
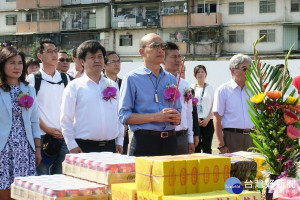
[155,174]
[123,191]
[216,195]
[213,172]
[142,195]
[249,195]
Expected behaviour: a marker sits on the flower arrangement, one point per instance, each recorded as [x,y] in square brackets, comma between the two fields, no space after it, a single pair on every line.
[24,100]
[169,93]
[109,93]
[187,95]
[275,114]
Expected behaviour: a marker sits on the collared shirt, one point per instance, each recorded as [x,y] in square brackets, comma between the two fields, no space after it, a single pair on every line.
[138,96]
[86,115]
[49,98]
[230,102]
[186,111]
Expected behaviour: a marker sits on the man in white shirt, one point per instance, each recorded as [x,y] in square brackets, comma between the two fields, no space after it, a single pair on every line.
[231,118]
[89,115]
[184,131]
[49,97]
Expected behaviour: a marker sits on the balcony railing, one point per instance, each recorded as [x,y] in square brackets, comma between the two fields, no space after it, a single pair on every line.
[122,21]
[205,19]
[173,21]
[76,2]
[26,27]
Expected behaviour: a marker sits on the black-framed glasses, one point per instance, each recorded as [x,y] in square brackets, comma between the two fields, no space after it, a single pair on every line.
[114,62]
[64,59]
[156,45]
[50,51]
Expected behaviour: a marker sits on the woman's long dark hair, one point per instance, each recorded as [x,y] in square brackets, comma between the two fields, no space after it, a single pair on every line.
[5,54]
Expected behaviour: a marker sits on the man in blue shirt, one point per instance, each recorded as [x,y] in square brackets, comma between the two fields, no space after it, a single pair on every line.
[143,105]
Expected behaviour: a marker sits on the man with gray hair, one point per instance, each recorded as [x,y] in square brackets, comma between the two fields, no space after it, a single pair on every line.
[231,119]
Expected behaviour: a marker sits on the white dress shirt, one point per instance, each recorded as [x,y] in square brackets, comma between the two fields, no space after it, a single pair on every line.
[230,102]
[207,100]
[86,115]
[186,112]
[49,98]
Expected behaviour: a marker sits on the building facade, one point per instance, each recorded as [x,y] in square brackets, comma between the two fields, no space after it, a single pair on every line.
[201,28]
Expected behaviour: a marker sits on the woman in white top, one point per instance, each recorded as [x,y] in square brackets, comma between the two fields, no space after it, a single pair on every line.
[205,95]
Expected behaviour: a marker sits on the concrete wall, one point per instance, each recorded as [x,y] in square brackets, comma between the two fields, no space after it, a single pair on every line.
[7,5]
[103,17]
[251,33]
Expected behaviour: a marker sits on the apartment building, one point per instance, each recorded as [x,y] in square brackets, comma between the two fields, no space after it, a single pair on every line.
[209,28]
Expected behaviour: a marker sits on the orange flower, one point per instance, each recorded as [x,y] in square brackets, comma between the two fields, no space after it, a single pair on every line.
[274,94]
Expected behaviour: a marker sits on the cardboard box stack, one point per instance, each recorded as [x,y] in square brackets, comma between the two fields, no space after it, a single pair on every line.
[56,187]
[105,167]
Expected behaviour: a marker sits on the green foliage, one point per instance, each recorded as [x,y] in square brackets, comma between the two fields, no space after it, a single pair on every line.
[33,51]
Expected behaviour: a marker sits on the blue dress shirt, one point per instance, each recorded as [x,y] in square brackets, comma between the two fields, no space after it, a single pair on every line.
[137,95]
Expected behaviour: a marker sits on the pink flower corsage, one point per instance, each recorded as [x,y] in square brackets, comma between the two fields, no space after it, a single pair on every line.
[187,95]
[109,93]
[24,100]
[194,101]
[169,93]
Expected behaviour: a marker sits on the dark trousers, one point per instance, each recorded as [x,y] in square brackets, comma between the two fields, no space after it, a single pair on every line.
[151,145]
[205,138]
[88,146]
[125,143]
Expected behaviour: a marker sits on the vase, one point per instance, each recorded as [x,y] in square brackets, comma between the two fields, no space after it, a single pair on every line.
[272,178]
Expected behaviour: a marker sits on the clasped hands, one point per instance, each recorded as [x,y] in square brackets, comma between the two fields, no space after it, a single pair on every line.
[169,115]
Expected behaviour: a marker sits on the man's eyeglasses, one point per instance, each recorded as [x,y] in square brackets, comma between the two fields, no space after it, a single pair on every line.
[243,69]
[114,62]
[156,45]
[64,59]
[50,51]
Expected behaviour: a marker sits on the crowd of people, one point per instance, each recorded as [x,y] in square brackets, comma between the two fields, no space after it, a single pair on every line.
[50,111]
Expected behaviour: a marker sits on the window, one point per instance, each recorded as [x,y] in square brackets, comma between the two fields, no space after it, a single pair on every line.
[125,40]
[236,36]
[295,6]
[179,36]
[49,15]
[270,35]
[267,6]
[236,8]
[11,19]
[31,17]
[206,35]
[202,8]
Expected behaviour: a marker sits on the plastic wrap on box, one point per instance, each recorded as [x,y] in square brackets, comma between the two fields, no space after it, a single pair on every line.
[105,167]
[126,191]
[142,195]
[242,168]
[56,187]
[168,175]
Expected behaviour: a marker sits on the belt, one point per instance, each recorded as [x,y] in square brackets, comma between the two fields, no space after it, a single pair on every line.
[162,134]
[237,130]
[96,143]
[182,132]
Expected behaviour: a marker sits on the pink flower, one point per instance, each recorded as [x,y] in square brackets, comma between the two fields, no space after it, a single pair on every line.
[279,158]
[288,147]
[24,100]
[187,95]
[169,93]
[194,101]
[289,117]
[293,132]
[109,92]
